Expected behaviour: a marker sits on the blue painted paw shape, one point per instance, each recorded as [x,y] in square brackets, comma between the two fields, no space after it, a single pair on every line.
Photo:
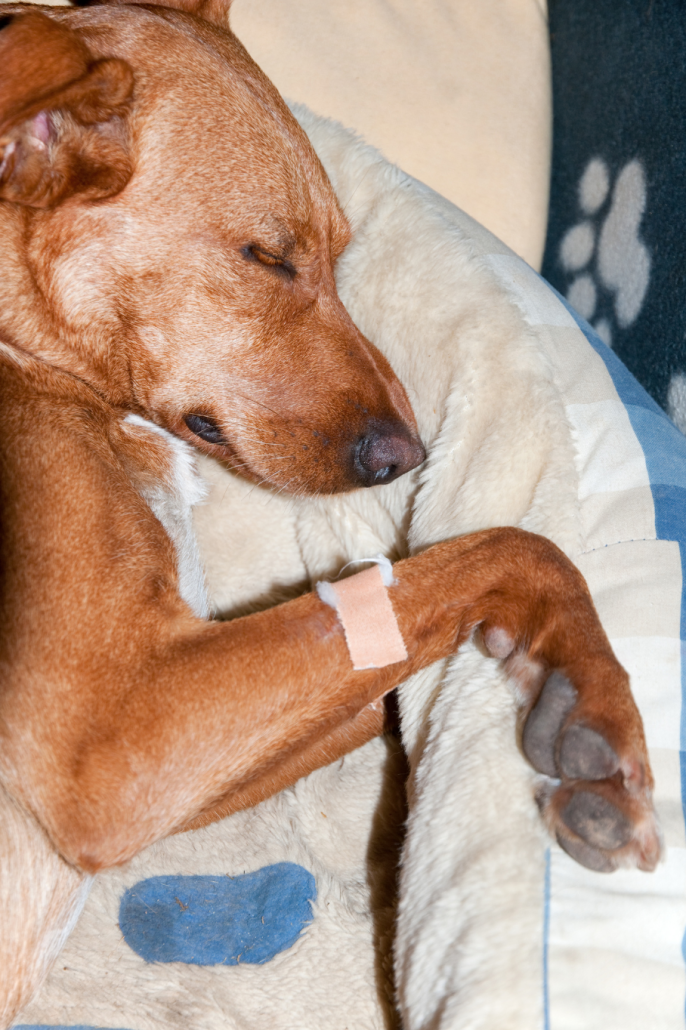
[218,920]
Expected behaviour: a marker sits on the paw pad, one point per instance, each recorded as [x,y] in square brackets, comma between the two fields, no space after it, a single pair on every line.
[597,821]
[613,823]
[499,643]
[587,856]
[543,726]
[585,755]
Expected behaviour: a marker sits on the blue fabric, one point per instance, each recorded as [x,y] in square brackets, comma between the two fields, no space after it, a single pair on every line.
[546,940]
[664,446]
[218,920]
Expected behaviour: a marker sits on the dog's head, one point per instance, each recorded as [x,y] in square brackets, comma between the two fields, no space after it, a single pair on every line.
[169,234]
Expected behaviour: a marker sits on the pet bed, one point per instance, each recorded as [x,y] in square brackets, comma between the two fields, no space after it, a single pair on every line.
[282,916]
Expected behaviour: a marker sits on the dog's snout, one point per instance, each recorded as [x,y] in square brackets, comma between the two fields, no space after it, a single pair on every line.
[385,453]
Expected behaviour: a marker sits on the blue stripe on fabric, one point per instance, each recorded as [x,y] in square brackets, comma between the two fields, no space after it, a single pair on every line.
[628,388]
[663,445]
[546,940]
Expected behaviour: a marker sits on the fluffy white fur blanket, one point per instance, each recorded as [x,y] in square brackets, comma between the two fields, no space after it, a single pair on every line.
[469,937]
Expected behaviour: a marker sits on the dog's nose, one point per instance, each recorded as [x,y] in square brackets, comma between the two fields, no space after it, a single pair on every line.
[386,453]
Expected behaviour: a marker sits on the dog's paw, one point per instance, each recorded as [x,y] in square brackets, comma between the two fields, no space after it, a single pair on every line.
[597,795]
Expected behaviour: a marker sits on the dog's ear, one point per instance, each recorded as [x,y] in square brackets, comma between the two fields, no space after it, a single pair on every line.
[62,115]
[216,11]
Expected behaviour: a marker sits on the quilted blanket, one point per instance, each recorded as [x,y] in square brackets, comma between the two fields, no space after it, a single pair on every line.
[284,916]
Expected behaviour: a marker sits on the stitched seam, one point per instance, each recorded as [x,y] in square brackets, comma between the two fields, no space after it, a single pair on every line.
[632,540]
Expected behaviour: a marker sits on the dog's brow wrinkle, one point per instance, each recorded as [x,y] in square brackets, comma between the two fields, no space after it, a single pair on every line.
[275,228]
[285,243]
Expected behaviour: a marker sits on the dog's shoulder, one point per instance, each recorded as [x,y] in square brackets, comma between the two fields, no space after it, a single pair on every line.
[71,459]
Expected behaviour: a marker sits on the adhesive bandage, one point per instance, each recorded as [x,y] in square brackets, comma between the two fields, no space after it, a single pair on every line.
[366,614]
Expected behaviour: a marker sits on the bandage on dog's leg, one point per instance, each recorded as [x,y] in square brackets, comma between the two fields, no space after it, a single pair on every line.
[366,614]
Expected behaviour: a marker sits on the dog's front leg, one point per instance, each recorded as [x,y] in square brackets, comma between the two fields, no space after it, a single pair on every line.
[194,712]
[369,723]
[123,717]
[206,711]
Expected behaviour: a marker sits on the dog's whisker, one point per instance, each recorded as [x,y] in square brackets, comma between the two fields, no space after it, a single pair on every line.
[255,400]
[262,443]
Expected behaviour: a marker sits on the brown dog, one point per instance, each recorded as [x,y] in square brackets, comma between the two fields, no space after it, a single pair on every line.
[167,239]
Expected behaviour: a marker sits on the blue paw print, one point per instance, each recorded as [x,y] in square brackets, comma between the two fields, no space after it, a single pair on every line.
[218,920]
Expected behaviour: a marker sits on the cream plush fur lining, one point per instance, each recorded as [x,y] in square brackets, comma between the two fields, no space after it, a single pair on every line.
[470,933]
[469,936]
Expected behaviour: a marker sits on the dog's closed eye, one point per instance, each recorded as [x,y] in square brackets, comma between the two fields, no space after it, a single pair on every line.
[204,427]
[279,265]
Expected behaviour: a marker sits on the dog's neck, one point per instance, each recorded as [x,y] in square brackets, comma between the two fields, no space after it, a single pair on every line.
[34,320]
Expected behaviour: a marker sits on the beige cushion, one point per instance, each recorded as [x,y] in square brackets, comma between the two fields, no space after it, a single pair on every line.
[457,92]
